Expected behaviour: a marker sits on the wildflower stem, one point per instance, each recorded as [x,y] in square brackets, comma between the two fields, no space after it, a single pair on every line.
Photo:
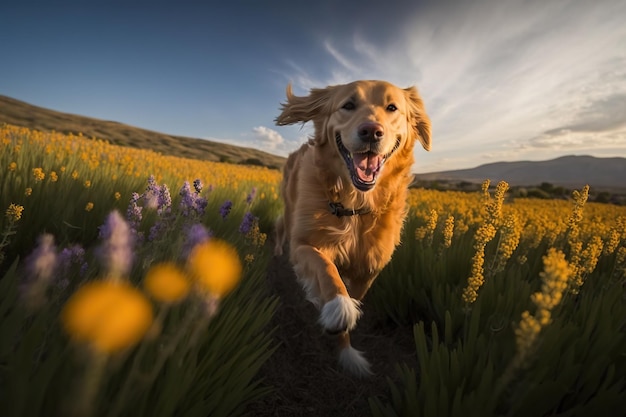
[134,373]
[85,402]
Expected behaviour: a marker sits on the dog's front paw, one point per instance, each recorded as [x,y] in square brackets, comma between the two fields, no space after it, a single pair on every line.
[340,314]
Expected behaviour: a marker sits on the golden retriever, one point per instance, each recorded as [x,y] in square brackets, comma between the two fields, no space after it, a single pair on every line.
[345,195]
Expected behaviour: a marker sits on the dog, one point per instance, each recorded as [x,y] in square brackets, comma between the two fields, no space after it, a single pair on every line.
[345,195]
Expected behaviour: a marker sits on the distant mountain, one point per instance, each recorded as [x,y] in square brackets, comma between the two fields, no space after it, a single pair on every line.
[19,113]
[567,171]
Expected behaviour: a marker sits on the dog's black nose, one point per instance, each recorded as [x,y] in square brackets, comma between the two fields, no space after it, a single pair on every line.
[371,132]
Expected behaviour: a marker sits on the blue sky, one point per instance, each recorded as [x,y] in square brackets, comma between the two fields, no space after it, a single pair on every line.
[502,80]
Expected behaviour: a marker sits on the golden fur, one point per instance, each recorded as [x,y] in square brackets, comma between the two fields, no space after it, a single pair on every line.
[336,259]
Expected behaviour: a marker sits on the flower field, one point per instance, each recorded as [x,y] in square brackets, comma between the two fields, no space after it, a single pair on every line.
[132,283]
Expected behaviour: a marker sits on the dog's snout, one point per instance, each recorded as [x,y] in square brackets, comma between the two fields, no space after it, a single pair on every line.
[371,131]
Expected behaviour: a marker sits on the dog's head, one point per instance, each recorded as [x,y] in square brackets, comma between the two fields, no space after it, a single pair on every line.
[367,122]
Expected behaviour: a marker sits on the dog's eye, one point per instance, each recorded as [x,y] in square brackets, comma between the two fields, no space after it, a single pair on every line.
[348,106]
[392,107]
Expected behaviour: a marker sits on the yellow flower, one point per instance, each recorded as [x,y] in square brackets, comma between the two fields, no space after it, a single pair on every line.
[38,174]
[14,212]
[28,191]
[485,189]
[87,184]
[74,174]
[12,166]
[89,206]
[117,195]
[54,177]
[215,266]
[166,283]
[510,233]
[107,315]
[448,232]
[555,276]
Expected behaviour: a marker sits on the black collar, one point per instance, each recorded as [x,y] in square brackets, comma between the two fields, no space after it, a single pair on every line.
[339,210]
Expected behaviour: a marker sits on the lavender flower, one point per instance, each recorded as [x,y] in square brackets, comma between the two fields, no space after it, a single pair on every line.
[134,215]
[225,209]
[151,195]
[251,196]
[197,185]
[73,255]
[68,257]
[191,202]
[196,234]
[156,230]
[40,267]
[247,223]
[116,251]
[164,200]
[187,200]
[42,261]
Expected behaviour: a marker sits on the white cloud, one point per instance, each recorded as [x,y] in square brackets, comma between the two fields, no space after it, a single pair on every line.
[503,77]
[271,141]
[267,138]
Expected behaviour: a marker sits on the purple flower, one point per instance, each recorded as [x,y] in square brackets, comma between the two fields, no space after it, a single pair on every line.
[196,234]
[151,195]
[83,269]
[247,223]
[73,255]
[40,268]
[251,196]
[133,212]
[191,201]
[41,263]
[164,200]
[68,258]
[116,251]
[225,209]
[197,185]
[156,230]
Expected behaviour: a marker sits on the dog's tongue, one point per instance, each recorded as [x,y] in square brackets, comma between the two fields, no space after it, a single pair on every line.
[367,164]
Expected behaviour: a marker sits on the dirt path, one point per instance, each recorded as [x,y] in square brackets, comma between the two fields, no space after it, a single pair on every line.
[304,370]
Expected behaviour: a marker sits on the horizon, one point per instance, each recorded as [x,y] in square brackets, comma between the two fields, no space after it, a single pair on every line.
[501,81]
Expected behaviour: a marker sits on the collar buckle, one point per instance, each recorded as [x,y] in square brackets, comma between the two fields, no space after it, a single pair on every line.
[339,210]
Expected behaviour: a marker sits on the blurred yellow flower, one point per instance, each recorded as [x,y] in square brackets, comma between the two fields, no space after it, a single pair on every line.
[215,266]
[89,206]
[107,315]
[12,166]
[28,191]
[38,174]
[117,195]
[166,283]
[14,212]
[87,184]
[54,177]
[74,174]
[448,232]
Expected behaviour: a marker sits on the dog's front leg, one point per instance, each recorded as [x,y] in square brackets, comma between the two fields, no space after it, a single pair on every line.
[324,287]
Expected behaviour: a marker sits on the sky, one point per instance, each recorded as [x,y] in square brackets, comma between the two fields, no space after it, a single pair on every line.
[502,80]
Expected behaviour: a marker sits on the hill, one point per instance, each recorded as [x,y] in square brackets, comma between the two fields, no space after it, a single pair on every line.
[566,171]
[19,113]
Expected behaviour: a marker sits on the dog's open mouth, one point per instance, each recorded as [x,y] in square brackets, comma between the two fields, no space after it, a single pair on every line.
[365,167]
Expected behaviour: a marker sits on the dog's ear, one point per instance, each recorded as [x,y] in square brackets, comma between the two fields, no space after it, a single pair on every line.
[306,108]
[418,118]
